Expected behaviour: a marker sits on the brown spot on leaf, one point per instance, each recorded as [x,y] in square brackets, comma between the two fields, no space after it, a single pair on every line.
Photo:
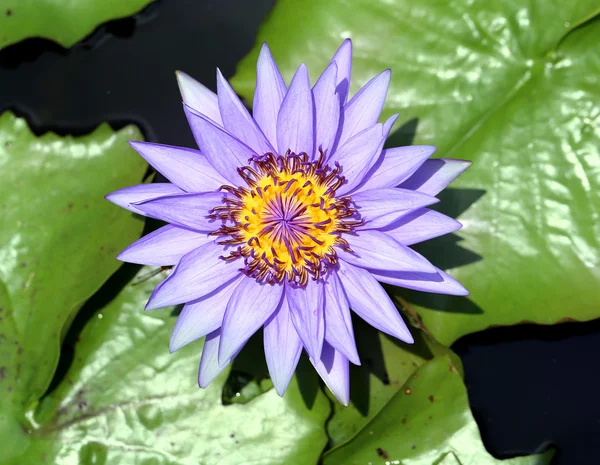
[9,12]
[382,453]
[404,421]
[408,391]
[2,373]
[431,399]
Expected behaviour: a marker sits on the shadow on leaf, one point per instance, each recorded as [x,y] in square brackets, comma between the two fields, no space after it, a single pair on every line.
[405,135]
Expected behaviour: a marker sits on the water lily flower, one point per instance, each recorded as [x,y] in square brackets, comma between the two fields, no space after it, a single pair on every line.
[288,218]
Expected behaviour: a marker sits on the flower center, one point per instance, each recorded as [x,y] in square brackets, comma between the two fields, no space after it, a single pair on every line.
[287,220]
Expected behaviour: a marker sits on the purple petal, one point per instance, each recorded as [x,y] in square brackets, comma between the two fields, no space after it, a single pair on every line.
[295,122]
[236,119]
[357,156]
[210,367]
[306,307]
[199,97]
[128,196]
[333,367]
[186,210]
[197,274]
[343,59]
[186,168]
[434,175]
[164,247]
[370,302]
[380,207]
[338,322]
[202,316]
[269,93]
[364,109]
[389,124]
[395,165]
[327,109]
[282,347]
[440,283]
[421,225]
[224,152]
[251,304]
[376,250]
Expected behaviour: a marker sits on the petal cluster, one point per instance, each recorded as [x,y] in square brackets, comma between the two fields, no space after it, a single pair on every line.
[289,218]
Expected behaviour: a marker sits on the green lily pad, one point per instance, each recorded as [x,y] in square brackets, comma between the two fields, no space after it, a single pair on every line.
[58,242]
[64,21]
[513,88]
[386,365]
[125,399]
[428,422]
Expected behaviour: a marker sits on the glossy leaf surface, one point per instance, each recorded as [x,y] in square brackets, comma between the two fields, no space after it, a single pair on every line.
[58,242]
[512,87]
[125,399]
[427,422]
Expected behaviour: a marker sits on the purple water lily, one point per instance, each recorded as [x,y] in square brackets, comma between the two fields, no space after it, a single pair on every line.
[287,218]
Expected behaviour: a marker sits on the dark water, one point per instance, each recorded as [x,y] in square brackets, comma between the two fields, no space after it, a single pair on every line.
[528,385]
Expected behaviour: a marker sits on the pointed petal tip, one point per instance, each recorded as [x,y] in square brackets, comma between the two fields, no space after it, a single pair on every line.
[280,390]
[181,80]
[429,149]
[133,143]
[408,338]
[172,347]
[465,163]
[342,395]
[155,302]
[152,305]
[345,47]
[355,360]
[460,291]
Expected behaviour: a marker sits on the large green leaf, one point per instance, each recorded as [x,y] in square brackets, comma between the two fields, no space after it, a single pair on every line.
[58,241]
[386,365]
[427,422]
[127,400]
[64,21]
[516,89]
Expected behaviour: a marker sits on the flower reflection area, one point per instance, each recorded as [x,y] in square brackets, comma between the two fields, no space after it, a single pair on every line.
[288,218]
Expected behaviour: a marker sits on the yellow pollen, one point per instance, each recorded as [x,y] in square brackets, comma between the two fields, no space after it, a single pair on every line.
[287,220]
